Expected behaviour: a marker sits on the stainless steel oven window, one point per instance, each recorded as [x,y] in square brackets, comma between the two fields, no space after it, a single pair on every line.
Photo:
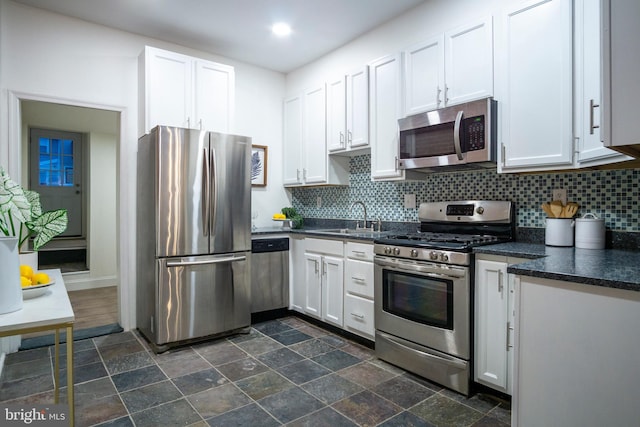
[418,298]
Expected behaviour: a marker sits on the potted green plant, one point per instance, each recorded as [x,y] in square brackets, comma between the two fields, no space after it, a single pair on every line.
[21,215]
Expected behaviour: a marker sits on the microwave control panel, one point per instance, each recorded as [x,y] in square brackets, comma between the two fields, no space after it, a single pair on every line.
[474,133]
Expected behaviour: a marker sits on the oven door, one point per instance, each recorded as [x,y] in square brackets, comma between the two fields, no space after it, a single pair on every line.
[425,303]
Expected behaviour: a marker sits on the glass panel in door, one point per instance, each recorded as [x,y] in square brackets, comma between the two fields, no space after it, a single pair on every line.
[418,298]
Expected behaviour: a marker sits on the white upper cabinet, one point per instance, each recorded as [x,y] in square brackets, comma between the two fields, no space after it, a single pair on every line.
[385,108]
[386,102]
[468,52]
[292,154]
[305,142]
[449,68]
[588,102]
[537,96]
[214,96]
[314,135]
[348,113]
[621,62]
[424,76]
[179,90]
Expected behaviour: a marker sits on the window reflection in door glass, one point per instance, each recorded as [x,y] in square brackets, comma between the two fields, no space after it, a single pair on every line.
[56,162]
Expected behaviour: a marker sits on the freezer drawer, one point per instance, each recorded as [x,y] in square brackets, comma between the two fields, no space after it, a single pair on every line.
[202,296]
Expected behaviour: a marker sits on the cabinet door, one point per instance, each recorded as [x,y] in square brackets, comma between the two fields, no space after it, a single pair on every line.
[424,76]
[591,150]
[358,108]
[491,322]
[297,275]
[214,96]
[332,289]
[336,115]
[168,82]
[538,76]
[292,143]
[385,109]
[313,283]
[469,62]
[314,135]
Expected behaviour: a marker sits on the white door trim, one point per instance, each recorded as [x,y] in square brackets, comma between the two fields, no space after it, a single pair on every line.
[126,272]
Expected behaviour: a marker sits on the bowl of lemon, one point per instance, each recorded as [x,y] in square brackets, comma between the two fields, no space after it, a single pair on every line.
[34,283]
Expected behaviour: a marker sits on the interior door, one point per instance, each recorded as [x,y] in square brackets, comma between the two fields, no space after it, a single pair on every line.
[55,172]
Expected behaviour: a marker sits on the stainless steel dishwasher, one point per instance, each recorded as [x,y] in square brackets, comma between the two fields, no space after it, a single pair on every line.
[269,274]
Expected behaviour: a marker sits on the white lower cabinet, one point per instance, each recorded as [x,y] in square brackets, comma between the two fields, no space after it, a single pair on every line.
[332,280]
[324,280]
[358,297]
[494,319]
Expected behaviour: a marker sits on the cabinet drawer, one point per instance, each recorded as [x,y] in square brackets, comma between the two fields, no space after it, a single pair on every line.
[325,246]
[358,315]
[361,251]
[358,278]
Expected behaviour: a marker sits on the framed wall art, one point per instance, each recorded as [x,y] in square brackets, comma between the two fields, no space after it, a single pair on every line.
[258,165]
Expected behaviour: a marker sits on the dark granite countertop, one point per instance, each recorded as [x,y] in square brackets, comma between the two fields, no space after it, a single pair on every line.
[320,232]
[609,268]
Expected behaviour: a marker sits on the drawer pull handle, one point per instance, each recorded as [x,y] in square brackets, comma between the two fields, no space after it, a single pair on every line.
[359,316]
[358,279]
[359,253]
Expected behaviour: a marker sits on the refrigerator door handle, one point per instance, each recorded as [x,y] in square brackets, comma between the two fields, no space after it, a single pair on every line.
[213,202]
[208,261]
[206,179]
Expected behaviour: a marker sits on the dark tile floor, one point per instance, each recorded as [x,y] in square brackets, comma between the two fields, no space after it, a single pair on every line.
[285,372]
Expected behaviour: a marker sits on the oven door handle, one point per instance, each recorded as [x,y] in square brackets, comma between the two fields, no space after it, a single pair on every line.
[410,267]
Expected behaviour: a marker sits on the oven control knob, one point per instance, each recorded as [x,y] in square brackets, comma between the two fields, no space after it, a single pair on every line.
[387,250]
[433,256]
[414,253]
[480,210]
[444,257]
[396,251]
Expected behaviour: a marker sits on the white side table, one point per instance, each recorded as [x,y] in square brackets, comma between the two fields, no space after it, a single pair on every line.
[51,311]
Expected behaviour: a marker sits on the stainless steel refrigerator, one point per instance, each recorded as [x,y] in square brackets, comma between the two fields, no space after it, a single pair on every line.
[193,235]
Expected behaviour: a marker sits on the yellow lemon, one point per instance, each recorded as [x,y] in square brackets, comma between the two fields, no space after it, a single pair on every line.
[25,282]
[41,278]
[26,271]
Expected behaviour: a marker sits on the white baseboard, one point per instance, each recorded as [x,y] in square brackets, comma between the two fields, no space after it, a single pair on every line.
[74,282]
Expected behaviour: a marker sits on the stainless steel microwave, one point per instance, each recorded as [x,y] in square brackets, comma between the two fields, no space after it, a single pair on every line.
[461,136]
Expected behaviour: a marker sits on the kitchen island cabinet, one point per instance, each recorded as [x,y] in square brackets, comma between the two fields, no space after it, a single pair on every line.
[576,351]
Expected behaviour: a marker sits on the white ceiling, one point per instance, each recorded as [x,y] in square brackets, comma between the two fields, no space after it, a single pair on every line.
[240,29]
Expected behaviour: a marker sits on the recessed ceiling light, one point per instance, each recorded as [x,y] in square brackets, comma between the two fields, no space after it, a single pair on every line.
[281,29]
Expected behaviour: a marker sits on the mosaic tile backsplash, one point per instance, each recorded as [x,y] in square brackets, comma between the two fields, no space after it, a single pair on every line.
[610,194]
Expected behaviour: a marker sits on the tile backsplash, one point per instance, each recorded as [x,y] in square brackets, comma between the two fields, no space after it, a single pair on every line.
[611,194]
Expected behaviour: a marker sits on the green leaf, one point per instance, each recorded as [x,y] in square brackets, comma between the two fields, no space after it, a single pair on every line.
[13,201]
[47,226]
[34,199]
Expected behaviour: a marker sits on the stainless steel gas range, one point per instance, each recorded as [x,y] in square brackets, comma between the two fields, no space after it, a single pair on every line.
[424,288]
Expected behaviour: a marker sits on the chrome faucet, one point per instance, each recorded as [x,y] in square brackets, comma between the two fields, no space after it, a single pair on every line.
[364,208]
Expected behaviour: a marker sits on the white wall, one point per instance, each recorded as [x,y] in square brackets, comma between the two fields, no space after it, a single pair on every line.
[425,20]
[52,56]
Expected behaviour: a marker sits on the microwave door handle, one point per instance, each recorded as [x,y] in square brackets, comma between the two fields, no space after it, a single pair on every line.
[456,135]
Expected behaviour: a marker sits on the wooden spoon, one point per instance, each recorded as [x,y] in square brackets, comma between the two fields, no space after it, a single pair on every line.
[546,207]
[570,210]
[556,208]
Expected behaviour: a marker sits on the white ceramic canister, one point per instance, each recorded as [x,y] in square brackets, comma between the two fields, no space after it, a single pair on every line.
[590,232]
[559,232]
[10,288]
